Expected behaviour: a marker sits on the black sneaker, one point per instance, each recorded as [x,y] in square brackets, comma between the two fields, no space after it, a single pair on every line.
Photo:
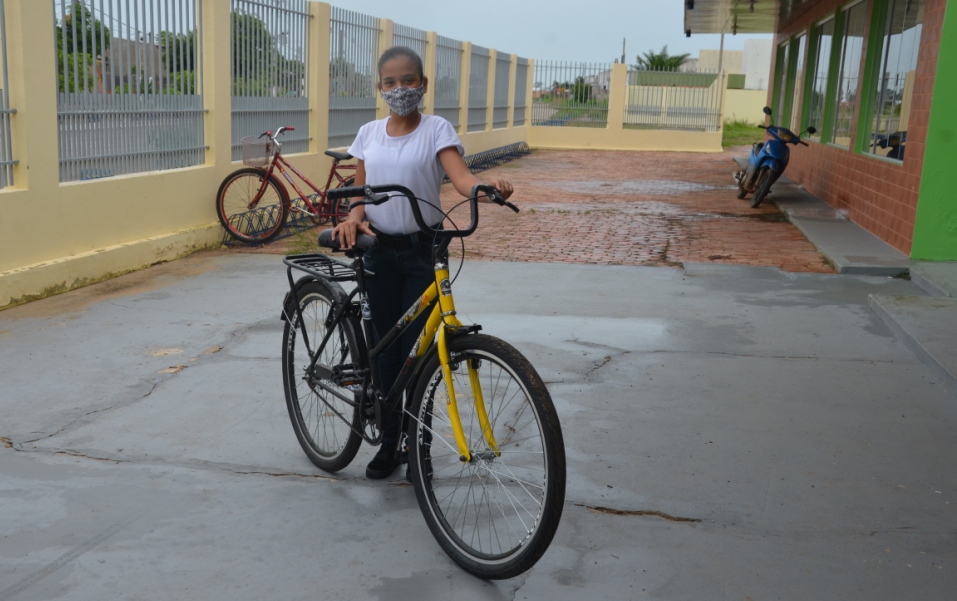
[383,464]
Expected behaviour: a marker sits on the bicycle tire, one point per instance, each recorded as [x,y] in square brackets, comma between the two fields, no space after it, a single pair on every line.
[764,184]
[496,515]
[263,222]
[341,206]
[329,442]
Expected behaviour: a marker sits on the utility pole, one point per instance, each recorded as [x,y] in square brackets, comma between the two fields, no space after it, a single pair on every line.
[623,50]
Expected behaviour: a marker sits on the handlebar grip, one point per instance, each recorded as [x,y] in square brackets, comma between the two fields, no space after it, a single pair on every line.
[803,143]
[763,126]
[347,192]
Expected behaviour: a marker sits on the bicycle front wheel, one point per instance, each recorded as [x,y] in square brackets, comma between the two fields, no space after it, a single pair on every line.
[243,216]
[324,416]
[495,515]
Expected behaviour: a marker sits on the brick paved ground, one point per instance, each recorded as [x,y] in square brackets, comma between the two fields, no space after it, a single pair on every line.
[628,208]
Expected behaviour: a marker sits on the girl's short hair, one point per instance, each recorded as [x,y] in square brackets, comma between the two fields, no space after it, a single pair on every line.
[397,51]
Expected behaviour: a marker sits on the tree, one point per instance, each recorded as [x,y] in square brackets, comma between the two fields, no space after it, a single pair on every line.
[80,39]
[581,90]
[661,61]
[82,33]
[259,66]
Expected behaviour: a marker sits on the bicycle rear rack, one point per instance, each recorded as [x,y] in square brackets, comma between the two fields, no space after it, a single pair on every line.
[324,267]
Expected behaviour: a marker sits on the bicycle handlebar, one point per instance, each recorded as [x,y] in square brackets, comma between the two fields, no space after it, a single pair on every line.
[376,195]
[279,132]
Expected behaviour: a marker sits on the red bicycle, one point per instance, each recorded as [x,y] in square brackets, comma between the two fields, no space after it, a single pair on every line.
[253,204]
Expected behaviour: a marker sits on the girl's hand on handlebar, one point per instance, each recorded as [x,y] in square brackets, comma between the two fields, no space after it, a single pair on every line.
[347,231]
[504,188]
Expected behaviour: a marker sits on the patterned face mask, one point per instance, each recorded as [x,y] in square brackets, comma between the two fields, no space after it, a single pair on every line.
[404,100]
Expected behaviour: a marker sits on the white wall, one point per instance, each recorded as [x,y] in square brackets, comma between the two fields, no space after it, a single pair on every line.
[756,64]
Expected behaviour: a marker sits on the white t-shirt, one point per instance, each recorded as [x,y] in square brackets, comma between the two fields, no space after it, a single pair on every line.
[411,161]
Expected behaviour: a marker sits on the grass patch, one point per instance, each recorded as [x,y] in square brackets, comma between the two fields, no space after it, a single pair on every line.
[304,242]
[740,133]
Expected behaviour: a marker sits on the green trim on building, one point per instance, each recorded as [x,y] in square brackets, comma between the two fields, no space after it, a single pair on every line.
[935,230]
[809,75]
[833,77]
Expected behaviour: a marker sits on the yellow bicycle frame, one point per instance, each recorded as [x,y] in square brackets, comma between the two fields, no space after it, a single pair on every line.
[440,321]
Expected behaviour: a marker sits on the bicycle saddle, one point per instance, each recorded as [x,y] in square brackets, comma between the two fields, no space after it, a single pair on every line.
[339,156]
[363,242]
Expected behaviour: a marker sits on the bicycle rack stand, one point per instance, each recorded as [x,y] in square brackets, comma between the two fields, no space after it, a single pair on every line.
[261,218]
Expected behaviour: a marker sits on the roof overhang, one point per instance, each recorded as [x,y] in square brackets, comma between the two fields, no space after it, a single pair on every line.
[733,16]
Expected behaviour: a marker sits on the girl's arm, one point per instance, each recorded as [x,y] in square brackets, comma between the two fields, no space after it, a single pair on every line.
[462,179]
[347,230]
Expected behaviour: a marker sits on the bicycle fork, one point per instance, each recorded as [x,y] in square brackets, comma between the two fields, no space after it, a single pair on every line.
[444,314]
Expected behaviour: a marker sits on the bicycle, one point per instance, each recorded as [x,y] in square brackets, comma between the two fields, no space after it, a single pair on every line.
[253,204]
[484,445]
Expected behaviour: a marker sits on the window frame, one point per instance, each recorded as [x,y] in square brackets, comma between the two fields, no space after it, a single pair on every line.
[810,77]
[870,78]
[837,58]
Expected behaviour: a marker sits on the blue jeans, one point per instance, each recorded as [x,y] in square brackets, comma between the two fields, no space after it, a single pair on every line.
[401,276]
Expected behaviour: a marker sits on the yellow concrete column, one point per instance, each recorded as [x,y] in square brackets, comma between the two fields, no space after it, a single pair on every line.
[723,82]
[431,50]
[617,96]
[386,41]
[319,26]
[490,89]
[529,87]
[464,85]
[34,133]
[513,72]
[217,80]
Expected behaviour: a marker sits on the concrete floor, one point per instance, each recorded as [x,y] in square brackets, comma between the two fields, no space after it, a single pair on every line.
[732,432]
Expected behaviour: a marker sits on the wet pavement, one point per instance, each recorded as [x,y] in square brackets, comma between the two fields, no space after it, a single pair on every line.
[733,431]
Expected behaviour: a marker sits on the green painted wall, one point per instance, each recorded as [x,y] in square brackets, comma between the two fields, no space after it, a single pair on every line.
[935,232]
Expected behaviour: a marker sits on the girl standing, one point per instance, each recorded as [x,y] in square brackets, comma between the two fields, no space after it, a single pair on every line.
[416,151]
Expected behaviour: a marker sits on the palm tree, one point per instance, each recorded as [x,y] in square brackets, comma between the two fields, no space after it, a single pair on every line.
[661,61]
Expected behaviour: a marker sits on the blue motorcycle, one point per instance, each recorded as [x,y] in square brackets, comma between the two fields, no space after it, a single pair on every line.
[767,162]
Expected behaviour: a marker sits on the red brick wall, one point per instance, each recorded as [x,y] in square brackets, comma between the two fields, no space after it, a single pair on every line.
[879,196]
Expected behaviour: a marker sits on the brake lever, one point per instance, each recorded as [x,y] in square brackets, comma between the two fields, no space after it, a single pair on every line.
[497,199]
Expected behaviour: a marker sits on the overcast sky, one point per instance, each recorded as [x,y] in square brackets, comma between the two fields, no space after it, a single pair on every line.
[570,30]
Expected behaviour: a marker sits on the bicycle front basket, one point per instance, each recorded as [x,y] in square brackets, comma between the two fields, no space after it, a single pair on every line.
[256,152]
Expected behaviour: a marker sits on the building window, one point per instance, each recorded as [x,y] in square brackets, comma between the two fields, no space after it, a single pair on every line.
[895,81]
[823,42]
[852,43]
[798,79]
[781,87]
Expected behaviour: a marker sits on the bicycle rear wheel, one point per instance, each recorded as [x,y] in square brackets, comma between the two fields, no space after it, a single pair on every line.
[256,224]
[324,415]
[496,515]
[341,206]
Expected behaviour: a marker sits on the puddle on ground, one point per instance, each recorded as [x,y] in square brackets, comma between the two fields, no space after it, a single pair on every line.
[650,187]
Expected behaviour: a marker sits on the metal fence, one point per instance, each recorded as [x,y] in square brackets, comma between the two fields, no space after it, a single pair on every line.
[6,145]
[129,97]
[689,101]
[503,73]
[571,94]
[353,53]
[410,37]
[478,89]
[448,78]
[270,46]
[521,92]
